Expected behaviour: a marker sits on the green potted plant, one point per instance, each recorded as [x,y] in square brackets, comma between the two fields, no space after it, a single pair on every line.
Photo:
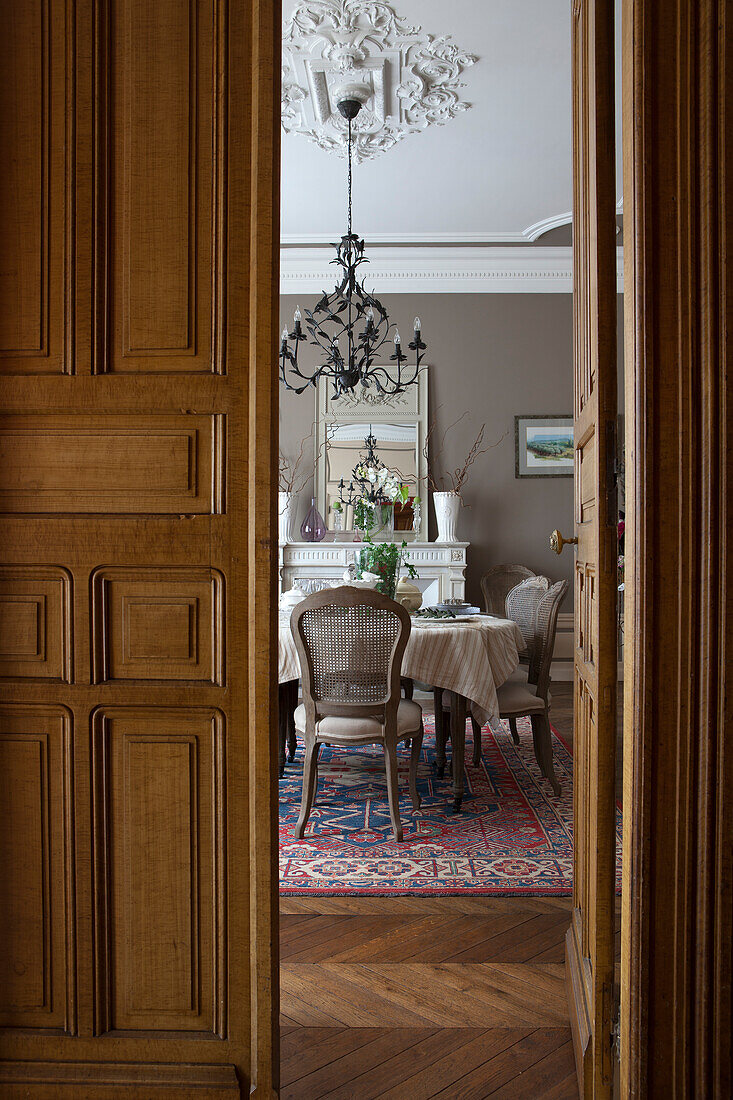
[385,559]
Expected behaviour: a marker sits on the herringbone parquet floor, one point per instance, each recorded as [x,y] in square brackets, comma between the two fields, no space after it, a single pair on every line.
[415,998]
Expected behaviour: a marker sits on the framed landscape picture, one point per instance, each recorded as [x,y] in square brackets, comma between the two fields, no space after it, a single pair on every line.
[543,446]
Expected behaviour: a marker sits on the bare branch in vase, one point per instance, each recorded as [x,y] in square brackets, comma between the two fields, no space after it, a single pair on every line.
[452,481]
[295,473]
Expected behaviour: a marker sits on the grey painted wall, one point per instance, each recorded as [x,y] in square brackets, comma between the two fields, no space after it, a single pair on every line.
[497,356]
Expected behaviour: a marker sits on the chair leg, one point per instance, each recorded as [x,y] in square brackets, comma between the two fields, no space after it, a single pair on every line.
[310,779]
[319,746]
[390,766]
[542,740]
[513,728]
[414,761]
[439,732]
[476,742]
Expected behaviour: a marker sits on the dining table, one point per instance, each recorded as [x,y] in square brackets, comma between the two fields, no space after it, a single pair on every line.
[469,656]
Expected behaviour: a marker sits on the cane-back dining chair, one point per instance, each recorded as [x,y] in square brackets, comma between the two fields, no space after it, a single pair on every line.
[499,580]
[533,700]
[350,644]
[521,606]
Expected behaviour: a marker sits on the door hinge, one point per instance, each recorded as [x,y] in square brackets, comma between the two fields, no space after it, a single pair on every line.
[616,1035]
[611,474]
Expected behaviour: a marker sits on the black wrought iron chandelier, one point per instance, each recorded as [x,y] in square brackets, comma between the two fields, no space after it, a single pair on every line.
[351,358]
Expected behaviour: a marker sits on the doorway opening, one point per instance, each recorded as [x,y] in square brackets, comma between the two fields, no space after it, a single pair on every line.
[404,959]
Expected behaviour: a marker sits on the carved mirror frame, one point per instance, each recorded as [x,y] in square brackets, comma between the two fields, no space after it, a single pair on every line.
[408,407]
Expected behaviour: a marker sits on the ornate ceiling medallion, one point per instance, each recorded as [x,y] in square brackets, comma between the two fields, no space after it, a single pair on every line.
[412,77]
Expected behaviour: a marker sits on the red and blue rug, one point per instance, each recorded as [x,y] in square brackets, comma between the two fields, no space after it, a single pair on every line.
[513,836]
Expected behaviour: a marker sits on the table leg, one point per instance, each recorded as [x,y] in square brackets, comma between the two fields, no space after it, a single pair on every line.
[287,701]
[292,702]
[458,739]
[439,733]
[282,724]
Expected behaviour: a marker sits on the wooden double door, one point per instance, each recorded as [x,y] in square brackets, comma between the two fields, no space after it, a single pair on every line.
[137,245]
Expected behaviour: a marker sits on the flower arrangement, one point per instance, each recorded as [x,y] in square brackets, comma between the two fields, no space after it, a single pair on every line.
[385,559]
[385,484]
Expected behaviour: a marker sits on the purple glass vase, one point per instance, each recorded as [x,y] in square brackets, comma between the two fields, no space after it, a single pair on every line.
[313,527]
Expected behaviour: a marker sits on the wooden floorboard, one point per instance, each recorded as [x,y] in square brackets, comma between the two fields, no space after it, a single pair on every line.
[415,998]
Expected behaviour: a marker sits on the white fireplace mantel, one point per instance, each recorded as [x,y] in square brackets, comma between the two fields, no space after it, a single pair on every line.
[441,566]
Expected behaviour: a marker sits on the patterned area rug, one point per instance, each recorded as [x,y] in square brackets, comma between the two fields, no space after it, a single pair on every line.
[513,835]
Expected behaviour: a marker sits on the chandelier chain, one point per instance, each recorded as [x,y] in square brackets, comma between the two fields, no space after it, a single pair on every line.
[349,154]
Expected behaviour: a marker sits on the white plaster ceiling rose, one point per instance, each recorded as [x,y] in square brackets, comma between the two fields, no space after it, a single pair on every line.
[408,79]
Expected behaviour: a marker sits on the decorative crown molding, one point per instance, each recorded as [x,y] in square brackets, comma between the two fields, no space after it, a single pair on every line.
[532,232]
[412,78]
[522,269]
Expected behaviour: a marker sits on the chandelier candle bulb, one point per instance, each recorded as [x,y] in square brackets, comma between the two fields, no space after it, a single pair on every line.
[417,326]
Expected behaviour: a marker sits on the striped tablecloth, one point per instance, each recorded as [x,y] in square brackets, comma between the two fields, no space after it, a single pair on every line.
[471,658]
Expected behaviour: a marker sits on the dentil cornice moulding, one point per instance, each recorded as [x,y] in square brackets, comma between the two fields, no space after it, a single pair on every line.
[412,78]
[528,269]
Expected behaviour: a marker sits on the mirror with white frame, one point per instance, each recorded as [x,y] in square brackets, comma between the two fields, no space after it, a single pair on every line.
[398,424]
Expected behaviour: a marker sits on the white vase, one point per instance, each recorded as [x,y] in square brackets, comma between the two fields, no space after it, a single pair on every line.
[286,517]
[446,513]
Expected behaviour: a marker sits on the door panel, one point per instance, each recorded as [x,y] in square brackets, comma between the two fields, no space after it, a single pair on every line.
[163,138]
[158,773]
[112,463]
[33,243]
[158,624]
[589,944]
[132,769]
[36,986]
[35,623]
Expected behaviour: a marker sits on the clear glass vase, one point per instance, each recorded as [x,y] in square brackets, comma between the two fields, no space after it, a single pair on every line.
[313,527]
[383,529]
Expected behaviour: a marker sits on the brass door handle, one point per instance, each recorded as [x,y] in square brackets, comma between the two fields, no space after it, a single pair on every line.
[557,542]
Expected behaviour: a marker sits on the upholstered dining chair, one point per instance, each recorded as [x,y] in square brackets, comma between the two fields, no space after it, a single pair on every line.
[532,699]
[521,606]
[499,580]
[527,696]
[350,644]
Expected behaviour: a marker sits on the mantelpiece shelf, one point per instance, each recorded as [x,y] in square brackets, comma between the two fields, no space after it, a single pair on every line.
[441,565]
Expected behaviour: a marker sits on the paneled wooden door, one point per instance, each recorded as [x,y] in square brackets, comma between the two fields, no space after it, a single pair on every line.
[138,229]
[589,943]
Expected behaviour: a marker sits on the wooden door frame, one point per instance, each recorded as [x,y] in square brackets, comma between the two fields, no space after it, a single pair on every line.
[262,313]
[676,944]
[678,772]
[589,944]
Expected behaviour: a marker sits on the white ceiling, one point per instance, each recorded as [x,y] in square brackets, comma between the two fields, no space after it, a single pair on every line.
[489,174]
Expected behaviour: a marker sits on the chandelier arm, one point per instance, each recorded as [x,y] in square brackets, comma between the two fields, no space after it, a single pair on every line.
[316,341]
[397,383]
